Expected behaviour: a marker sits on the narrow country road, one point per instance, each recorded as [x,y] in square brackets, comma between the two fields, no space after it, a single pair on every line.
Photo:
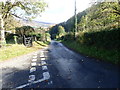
[58,67]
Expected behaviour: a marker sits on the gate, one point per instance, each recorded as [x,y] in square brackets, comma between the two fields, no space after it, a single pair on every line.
[27,40]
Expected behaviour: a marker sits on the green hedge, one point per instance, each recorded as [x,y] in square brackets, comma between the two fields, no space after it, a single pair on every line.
[104,39]
[69,37]
[104,45]
[112,56]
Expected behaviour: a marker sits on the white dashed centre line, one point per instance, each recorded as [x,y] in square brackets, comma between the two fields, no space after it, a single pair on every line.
[33,64]
[42,55]
[46,75]
[42,59]
[35,57]
[33,69]
[31,78]
[44,68]
[43,63]
[38,81]
[34,60]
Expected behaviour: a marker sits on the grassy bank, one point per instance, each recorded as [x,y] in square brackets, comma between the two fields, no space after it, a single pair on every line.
[101,54]
[14,50]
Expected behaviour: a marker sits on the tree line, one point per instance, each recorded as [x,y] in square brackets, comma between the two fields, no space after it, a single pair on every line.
[9,12]
[98,25]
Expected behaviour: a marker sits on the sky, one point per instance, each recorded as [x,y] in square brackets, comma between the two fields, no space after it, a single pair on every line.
[61,10]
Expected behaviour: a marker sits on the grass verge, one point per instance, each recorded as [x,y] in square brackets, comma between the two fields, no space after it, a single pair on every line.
[14,50]
[98,53]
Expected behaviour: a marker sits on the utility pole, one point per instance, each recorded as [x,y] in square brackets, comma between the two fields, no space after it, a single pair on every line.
[75,22]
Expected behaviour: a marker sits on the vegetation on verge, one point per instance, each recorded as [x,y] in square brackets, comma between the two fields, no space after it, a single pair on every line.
[98,31]
[112,56]
[14,50]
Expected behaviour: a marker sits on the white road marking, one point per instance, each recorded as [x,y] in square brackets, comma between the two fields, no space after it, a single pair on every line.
[43,63]
[44,68]
[42,59]
[34,56]
[34,60]
[39,65]
[42,55]
[38,81]
[46,75]
[32,69]
[22,86]
[31,78]
[33,64]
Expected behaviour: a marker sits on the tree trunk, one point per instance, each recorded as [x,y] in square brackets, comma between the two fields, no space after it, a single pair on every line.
[3,41]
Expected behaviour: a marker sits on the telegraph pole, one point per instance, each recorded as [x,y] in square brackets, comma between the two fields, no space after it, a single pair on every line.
[75,22]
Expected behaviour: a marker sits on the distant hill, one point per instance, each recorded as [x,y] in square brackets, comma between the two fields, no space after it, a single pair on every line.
[34,23]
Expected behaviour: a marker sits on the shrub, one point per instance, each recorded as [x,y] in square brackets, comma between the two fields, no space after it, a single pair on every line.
[69,36]
[108,39]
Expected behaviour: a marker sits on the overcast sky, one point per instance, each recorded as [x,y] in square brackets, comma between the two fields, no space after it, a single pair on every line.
[61,10]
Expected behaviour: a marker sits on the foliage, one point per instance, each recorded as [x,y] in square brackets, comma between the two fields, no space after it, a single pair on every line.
[112,56]
[97,25]
[41,34]
[98,31]
[69,36]
[104,39]
[25,30]
[99,17]
[96,18]
[53,31]
[28,9]
[11,23]
[61,31]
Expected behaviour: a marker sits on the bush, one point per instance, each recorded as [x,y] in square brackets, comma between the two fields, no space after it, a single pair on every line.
[104,39]
[69,37]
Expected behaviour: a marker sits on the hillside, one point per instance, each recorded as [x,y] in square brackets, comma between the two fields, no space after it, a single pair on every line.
[36,23]
[97,32]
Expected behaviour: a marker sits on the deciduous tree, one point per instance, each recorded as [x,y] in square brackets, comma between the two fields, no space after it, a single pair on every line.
[28,9]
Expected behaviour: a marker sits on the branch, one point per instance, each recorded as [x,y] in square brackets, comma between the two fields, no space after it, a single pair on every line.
[16,16]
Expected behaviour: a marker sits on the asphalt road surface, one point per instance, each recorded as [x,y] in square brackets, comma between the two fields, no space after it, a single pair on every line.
[58,67]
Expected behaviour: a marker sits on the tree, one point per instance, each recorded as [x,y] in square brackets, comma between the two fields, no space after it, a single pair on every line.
[47,36]
[61,31]
[25,33]
[24,30]
[29,9]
